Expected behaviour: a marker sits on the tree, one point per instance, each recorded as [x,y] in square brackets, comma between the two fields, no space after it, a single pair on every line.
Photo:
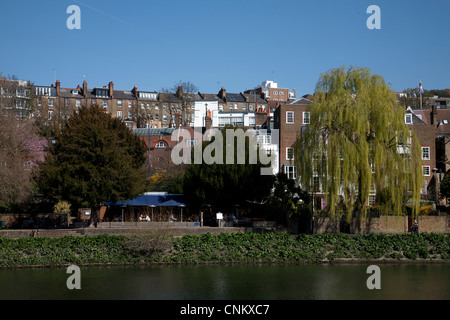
[21,150]
[226,185]
[96,158]
[178,97]
[357,141]
[445,186]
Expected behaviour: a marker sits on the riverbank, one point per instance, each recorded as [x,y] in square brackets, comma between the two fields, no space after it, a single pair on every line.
[237,247]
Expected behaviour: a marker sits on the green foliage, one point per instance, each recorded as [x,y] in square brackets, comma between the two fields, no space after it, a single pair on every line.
[444,186]
[223,248]
[224,185]
[357,125]
[96,158]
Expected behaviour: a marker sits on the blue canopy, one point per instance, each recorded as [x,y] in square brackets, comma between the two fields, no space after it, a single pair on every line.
[156,199]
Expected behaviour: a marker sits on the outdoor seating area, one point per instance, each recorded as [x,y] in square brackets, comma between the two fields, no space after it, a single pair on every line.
[149,207]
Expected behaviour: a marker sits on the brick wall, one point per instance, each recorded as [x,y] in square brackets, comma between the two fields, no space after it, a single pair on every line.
[385,224]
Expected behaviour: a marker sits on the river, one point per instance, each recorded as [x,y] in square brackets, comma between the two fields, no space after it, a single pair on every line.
[235,282]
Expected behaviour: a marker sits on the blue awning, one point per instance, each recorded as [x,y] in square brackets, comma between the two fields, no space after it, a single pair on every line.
[156,199]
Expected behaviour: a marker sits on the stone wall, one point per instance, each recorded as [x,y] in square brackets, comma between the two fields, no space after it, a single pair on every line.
[383,224]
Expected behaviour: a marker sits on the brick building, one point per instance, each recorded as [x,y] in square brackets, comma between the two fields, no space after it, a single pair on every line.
[290,119]
[138,109]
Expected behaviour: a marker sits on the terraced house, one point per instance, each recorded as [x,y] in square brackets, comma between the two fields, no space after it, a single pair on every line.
[138,109]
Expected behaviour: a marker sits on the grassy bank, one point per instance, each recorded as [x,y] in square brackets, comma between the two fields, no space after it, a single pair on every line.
[223,248]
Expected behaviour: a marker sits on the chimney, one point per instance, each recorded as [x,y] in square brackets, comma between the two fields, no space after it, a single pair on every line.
[111,89]
[58,87]
[223,93]
[179,93]
[208,122]
[85,88]
[434,114]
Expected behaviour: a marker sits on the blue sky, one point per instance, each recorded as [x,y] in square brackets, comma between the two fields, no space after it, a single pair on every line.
[228,43]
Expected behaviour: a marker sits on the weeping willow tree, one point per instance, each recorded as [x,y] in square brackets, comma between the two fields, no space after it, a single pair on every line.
[357,143]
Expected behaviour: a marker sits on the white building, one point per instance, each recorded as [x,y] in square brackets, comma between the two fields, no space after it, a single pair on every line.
[219,117]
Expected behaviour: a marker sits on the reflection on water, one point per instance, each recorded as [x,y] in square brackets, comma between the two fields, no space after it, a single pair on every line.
[236,282]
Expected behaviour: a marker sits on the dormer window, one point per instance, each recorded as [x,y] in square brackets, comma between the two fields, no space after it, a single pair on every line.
[101,92]
[74,91]
[408,118]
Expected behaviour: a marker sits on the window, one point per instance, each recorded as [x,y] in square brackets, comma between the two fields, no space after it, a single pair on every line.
[282,93]
[39,101]
[250,106]
[221,107]
[50,114]
[156,116]
[50,102]
[235,106]
[66,101]
[105,103]
[290,117]
[191,142]
[129,114]
[408,118]
[129,104]
[78,103]
[426,170]
[275,92]
[289,153]
[290,171]
[156,107]
[161,144]
[234,121]
[119,114]
[445,121]
[244,107]
[306,117]
[119,103]
[372,199]
[264,139]
[94,101]
[164,117]
[165,106]
[231,106]
[188,106]
[425,153]
[316,184]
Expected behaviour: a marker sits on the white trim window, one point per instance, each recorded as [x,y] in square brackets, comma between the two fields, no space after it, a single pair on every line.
[408,118]
[306,117]
[290,172]
[426,171]
[119,114]
[161,144]
[425,153]
[289,153]
[289,116]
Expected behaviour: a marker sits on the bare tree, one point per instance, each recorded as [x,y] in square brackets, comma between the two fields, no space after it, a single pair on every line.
[21,149]
[179,97]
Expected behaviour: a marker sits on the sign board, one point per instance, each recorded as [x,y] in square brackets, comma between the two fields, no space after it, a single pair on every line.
[219,216]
